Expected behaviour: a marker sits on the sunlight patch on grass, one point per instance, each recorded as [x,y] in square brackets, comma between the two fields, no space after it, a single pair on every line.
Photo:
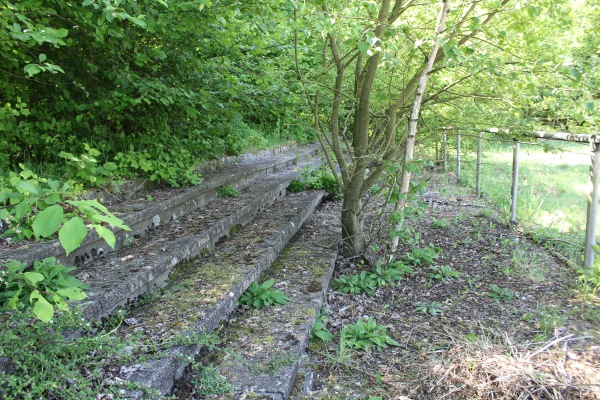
[552,187]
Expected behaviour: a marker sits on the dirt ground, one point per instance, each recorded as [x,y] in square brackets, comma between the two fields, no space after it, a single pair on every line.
[514,324]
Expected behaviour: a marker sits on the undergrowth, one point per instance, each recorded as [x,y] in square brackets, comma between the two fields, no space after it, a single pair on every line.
[318,179]
[41,362]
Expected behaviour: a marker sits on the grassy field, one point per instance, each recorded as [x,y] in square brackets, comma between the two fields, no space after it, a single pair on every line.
[553,187]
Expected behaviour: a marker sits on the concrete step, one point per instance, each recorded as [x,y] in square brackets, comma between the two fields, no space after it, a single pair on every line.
[204,291]
[119,277]
[143,216]
[262,350]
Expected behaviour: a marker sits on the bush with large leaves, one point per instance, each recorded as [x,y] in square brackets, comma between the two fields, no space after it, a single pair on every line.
[140,80]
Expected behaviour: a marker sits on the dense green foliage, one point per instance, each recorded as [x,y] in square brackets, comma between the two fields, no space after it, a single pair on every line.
[45,364]
[39,289]
[43,208]
[537,69]
[317,179]
[152,86]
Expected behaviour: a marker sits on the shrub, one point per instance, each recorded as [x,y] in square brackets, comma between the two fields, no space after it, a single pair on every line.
[41,288]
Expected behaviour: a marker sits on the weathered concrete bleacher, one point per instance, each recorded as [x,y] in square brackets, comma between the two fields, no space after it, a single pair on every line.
[204,251]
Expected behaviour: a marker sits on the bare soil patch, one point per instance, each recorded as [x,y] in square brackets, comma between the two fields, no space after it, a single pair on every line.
[513,325]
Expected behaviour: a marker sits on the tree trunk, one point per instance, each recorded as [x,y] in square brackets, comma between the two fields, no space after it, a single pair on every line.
[352,227]
[414,116]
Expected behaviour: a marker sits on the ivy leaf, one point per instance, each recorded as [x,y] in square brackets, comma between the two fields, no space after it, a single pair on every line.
[42,309]
[47,222]
[72,234]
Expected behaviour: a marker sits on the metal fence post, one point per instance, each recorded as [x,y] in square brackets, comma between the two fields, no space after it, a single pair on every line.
[592,209]
[515,183]
[479,151]
[458,157]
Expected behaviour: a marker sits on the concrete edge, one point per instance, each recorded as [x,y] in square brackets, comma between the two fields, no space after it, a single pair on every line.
[161,374]
[101,303]
[154,215]
[280,385]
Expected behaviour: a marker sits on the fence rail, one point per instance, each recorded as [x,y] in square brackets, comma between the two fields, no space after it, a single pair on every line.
[594,174]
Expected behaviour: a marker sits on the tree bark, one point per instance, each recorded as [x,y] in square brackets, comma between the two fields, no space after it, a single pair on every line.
[416,109]
[353,235]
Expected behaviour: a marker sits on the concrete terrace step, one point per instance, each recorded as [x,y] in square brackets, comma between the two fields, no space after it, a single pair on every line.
[152,214]
[123,275]
[203,292]
[262,349]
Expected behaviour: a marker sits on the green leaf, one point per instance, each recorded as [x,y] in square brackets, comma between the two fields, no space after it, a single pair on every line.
[60,303]
[22,209]
[110,166]
[325,336]
[27,187]
[589,105]
[268,284]
[33,277]
[72,293]
[364,47]
[89,205]
[52,199]
[105,234]
[42,309]
[32,69]
[138,21]
[72,234]
[111,220]
[61,33]
[47,222]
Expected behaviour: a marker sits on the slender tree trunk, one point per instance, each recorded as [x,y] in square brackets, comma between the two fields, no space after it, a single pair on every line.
[353,235]
[416,109]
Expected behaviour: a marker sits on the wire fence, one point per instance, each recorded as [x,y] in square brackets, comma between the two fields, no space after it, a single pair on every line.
[473,153]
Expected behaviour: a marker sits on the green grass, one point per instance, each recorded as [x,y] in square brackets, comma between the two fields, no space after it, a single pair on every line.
[553,187]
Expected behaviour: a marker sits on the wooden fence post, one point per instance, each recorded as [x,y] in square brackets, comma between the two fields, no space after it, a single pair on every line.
[592,209]
[479,155]
[445,158]
[515,183]
[458,157]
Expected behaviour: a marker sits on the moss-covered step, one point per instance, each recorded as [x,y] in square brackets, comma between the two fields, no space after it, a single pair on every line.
[261,348]
[131,271]
[143,216]
[203,292]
